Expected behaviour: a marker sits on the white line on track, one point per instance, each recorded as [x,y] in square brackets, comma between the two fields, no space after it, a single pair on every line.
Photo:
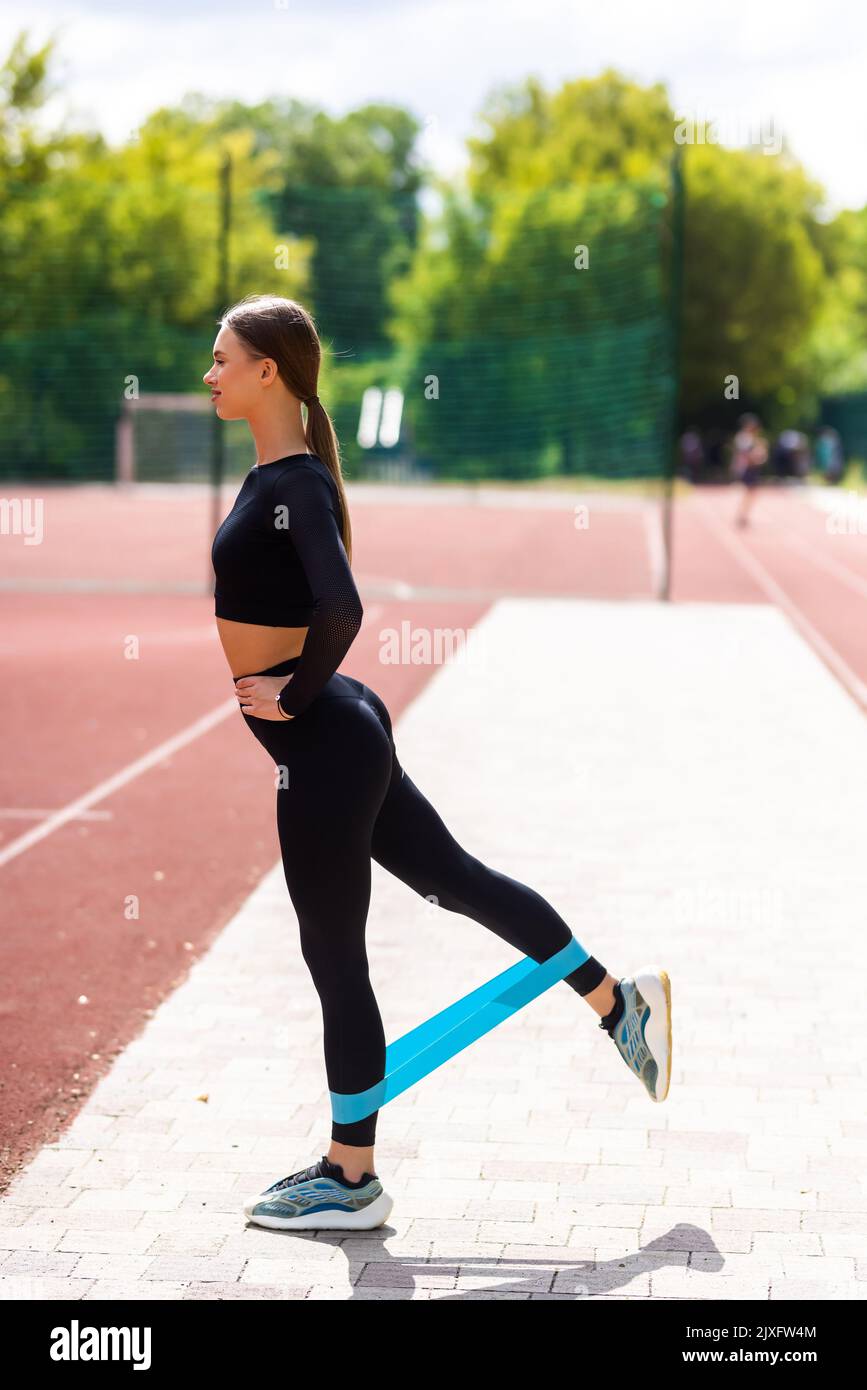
[833,567]
[844,673]
[655,546]
[119,779]
[37,813]
[74,809]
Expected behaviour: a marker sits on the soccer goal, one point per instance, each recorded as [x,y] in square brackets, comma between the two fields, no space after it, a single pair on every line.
[164,437]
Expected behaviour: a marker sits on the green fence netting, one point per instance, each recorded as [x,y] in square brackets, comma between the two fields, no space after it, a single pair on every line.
[530,333]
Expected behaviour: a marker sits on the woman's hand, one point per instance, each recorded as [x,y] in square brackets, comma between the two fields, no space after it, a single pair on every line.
[257,696]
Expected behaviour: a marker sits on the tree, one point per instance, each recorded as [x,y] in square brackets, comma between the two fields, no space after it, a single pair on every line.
[753,280]
[755,267]
[349,186]
[835,353]
[108,269]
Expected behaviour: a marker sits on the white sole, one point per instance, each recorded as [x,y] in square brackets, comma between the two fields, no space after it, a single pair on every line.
[365,1220]
[655,988]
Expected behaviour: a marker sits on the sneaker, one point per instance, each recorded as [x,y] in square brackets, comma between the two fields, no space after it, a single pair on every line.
[319,1197]
[642,1033]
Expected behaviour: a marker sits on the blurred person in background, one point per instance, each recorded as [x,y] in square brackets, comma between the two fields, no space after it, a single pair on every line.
[749,454]
[790,458]
[828,454]
[691,455]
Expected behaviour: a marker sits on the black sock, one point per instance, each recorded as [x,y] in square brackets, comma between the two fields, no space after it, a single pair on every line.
[335,1171]
[610,1021]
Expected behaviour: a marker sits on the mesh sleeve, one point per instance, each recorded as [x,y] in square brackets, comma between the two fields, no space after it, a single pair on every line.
[303,510]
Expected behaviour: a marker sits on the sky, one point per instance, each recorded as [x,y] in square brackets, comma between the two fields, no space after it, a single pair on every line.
[756,66]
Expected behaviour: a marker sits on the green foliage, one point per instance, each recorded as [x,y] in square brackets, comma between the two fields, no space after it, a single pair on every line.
[601,129]
[520,359]
[518,362]
[109,273]
[515,361]
[349,185]
[110,258]
[836,351]
[756,251]
[753,280]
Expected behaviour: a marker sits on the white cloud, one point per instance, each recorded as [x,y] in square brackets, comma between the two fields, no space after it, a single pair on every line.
[792,61]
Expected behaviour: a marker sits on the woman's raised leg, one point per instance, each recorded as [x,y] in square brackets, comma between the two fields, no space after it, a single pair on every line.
[411,840]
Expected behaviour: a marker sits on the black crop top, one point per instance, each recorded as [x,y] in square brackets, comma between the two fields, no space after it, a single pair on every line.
[279,560]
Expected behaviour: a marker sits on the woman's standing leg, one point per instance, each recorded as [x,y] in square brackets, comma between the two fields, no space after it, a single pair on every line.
[338,763]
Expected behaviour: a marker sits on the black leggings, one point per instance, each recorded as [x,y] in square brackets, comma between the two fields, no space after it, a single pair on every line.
[342,799]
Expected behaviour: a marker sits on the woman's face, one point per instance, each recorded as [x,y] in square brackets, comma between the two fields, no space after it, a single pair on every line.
[235,378]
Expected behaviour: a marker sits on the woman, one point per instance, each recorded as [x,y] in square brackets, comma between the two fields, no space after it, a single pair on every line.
[287,611]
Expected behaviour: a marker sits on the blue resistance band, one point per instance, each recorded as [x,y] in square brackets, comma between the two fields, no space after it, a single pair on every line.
[426,1047]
